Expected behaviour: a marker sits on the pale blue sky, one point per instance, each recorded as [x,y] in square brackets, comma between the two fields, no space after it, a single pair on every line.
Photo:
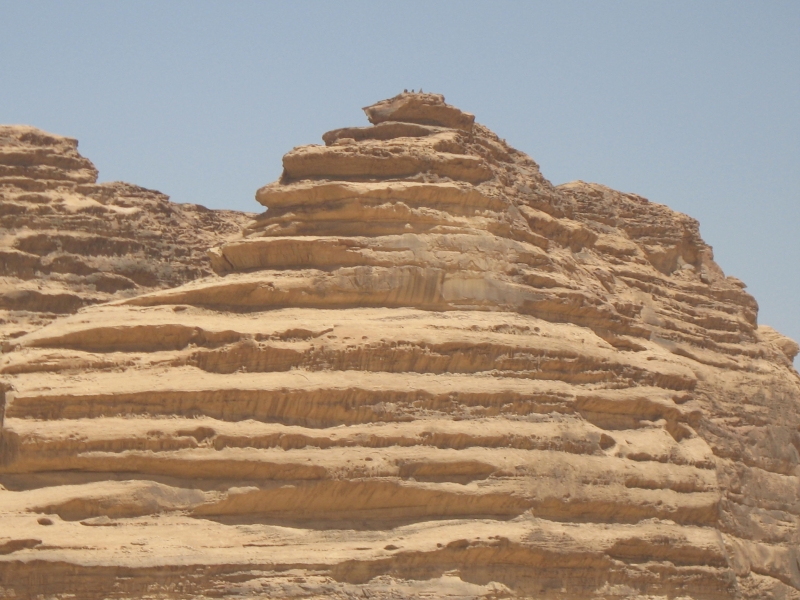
[694,104]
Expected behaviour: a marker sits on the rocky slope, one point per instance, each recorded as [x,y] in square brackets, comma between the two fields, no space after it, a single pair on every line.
[67,241]
[423,372]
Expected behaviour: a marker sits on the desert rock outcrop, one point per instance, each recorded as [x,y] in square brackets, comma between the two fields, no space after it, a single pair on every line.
[67,241]
[424,371]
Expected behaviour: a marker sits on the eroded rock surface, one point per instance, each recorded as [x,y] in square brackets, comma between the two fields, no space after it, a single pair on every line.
[67,242]
[423,372]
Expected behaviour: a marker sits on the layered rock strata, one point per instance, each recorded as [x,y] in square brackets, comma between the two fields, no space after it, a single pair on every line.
[423,371]
[67,242]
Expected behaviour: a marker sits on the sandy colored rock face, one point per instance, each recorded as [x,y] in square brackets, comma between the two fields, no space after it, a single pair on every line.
[67,242]
[424,371]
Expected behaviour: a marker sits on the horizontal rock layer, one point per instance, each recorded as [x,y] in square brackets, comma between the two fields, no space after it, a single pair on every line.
[67,242]
[424,371]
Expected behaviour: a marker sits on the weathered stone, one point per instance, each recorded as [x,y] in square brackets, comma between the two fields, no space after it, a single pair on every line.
[424,109]
[408,380]
[74,242]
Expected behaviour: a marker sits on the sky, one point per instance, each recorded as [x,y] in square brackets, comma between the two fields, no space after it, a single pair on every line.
[695,105]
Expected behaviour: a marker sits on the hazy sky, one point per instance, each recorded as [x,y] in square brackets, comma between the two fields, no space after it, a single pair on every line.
[691,104]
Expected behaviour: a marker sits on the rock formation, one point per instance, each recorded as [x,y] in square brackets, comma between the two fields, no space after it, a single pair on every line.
[67,241]
[424,371]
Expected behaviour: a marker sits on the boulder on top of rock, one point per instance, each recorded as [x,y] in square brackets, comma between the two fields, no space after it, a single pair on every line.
[424,109]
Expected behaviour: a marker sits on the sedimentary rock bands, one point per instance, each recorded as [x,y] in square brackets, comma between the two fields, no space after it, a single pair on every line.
[424,371]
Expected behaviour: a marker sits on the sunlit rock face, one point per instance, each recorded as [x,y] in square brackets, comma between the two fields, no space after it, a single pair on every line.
[67,242]
[424,371]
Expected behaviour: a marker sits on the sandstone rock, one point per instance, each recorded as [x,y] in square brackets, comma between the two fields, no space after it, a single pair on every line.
[423,109]
[786,345]
[67,242]
[35,160]
[407,380]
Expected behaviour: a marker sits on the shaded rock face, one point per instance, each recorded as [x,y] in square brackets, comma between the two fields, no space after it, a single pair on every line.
[67,241]
[423,371]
